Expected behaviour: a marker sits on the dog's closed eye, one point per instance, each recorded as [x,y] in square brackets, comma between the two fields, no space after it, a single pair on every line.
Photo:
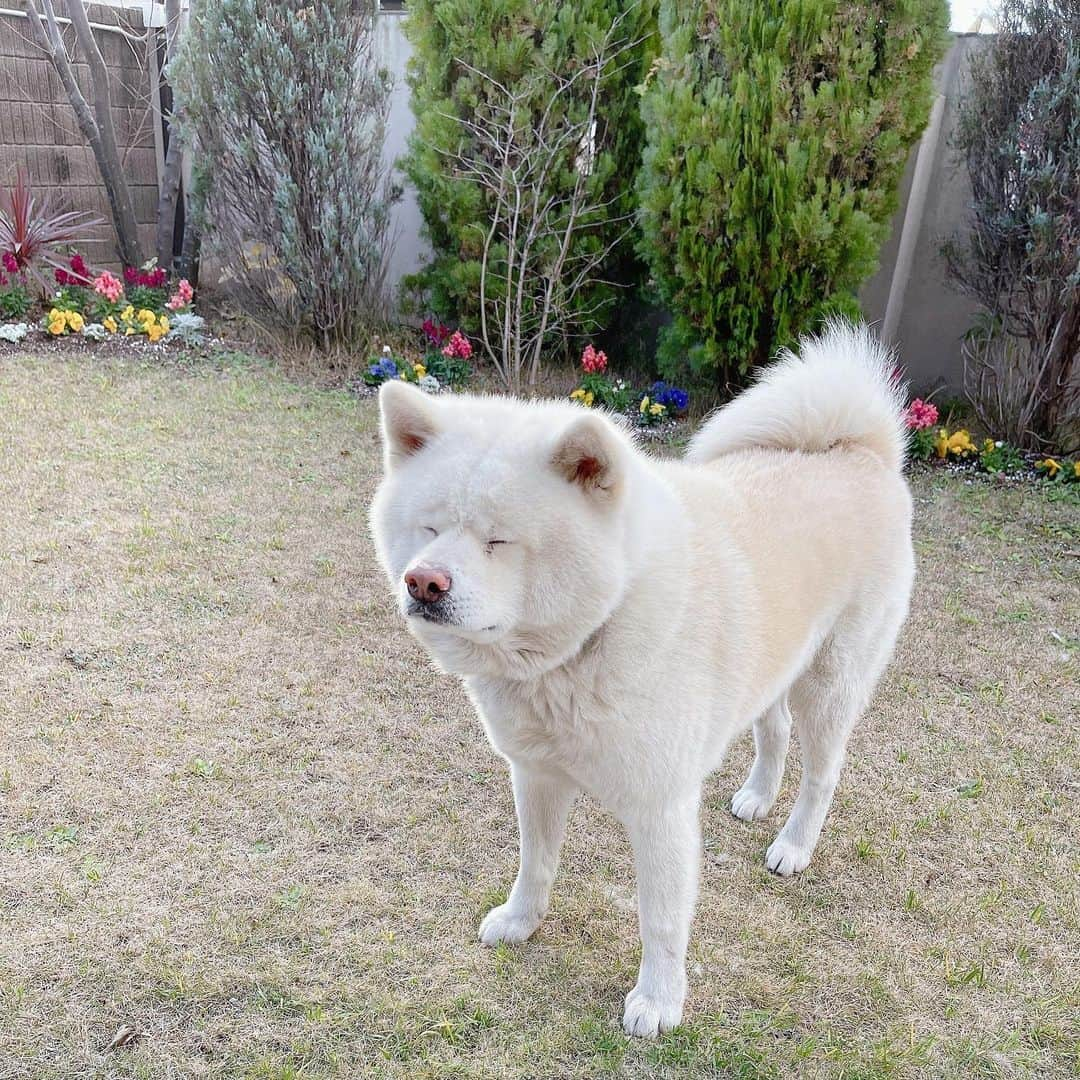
[492,544]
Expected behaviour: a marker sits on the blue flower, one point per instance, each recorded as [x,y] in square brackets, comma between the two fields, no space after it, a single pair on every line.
[671,397]
[383,370]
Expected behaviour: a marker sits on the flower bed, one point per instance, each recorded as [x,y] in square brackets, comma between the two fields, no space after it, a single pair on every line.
[443,366]
[658,406]
[146,305]
[992,457]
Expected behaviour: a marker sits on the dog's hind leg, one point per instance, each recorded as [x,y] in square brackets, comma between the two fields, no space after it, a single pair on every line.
[772,732]
[543,801]
[827,701]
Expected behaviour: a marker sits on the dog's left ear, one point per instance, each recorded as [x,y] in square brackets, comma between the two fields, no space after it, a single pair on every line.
[409,422]
[589,454]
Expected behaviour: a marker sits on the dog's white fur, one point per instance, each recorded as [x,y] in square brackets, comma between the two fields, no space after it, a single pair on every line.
[634,615]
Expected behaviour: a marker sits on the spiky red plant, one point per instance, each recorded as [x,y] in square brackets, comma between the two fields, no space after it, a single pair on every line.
[33,235]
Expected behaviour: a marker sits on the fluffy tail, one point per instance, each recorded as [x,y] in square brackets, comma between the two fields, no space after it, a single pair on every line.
[841,388]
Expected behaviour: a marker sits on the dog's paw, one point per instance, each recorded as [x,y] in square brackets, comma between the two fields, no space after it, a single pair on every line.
[748,804]
[502,923]
[785,858]
[647,1016]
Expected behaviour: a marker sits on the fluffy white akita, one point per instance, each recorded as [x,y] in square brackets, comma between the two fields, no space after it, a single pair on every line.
[619,619]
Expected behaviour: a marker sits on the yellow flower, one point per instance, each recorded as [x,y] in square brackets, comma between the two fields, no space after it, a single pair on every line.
[163,322]
[154,331]
[109,323]
[644,404]
[988,445]
[129,331]
[590,397]
[54,314]
[960,444]
[941,443]
[1049,466]
[57,326]
[578,394]
[128,313]
[656,409]
[1076,470]
[75,321]
[420,370]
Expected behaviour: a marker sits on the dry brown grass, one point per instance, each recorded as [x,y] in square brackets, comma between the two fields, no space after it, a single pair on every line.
[241,814]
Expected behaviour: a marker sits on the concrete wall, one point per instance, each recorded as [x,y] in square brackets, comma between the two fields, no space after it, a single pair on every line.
[909,298]
[409,251]
[38,130]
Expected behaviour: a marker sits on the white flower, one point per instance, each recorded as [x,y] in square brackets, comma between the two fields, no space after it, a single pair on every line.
[13,331]
[386,350]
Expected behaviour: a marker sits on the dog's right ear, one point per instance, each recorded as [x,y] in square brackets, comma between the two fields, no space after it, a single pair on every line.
[588,454]
[408,421]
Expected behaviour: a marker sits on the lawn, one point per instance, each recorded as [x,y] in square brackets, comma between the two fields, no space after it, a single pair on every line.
[245,820]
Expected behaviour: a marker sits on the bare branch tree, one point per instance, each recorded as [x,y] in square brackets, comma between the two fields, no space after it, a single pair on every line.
[169,194]
[96,124]
[1019,134]
[546,241]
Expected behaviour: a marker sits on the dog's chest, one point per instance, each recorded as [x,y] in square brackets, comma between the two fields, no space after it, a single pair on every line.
[548,721]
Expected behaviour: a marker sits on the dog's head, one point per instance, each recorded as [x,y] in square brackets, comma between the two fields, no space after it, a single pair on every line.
[500,525]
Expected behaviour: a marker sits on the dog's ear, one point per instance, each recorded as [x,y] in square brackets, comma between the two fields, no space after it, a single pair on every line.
[588,453]
[409,421]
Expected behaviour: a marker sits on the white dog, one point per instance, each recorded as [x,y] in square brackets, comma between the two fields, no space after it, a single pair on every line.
[619,619]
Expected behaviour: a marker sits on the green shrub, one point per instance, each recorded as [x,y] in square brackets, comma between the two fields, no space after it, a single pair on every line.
[777,134]
[288,104]
[15,301]
[470,57]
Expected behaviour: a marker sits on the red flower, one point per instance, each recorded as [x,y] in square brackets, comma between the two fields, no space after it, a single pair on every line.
[131,275]
[593,361]
[79,266]
[435,332]
[11,264]
[62,276]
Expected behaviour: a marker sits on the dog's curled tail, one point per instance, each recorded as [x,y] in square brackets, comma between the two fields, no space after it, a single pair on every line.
[840,389]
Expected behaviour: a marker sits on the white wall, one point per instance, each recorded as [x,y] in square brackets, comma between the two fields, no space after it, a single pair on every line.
[409,251]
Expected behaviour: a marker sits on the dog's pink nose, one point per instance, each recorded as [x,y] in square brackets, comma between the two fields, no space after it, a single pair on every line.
[427,584]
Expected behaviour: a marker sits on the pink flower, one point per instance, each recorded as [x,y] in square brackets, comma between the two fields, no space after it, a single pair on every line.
[182,297]
[593,361]
[920,414]
[109,286]
[11,264]
[458,347]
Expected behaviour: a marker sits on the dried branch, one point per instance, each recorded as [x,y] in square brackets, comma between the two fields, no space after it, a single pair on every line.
[544,247]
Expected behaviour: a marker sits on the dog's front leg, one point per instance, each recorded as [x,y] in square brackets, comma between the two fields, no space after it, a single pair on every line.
[543,801]
[667,852]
